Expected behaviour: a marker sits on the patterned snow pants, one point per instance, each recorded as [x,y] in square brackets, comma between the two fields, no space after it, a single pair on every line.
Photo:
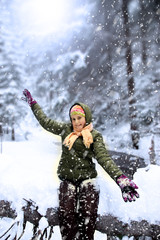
[78,206]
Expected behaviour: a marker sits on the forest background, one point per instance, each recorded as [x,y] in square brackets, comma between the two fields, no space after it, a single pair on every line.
[103,53]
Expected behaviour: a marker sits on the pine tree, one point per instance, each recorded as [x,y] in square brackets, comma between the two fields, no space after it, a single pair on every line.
[10,82]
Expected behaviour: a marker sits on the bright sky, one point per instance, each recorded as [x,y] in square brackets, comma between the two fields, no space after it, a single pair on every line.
[42,17]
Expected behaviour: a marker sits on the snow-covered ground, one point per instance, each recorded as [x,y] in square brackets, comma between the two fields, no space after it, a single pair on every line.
[28,170]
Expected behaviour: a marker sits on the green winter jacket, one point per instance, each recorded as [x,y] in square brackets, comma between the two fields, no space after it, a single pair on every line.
[77,164]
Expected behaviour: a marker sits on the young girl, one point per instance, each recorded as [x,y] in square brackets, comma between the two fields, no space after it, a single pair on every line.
[78,193]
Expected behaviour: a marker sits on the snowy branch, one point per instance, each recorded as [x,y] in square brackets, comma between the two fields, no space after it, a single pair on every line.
[108,224]
[113,226]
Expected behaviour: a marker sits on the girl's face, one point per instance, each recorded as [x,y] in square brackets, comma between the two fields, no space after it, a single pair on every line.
[78,122]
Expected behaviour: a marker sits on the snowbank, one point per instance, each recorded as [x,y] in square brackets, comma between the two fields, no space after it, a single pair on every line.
[28,170]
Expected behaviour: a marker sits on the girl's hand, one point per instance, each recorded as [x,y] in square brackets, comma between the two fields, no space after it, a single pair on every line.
[127,187]
[28,97]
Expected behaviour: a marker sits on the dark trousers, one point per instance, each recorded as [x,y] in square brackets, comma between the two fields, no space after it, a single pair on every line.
[78,206]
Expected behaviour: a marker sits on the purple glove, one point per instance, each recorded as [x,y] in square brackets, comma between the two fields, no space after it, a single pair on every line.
[28,97]
[128,188]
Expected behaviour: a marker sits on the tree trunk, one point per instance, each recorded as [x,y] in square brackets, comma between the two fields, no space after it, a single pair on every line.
[13,134]
[1,136]
[143,31]
[131,83]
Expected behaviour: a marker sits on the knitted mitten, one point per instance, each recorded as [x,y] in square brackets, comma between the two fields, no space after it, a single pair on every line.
[28,97]
[127,187]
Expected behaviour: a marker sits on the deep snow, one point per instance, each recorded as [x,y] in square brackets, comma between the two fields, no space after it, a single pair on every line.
[28,170]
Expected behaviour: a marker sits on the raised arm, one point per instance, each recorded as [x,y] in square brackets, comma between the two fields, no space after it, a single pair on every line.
[47,123]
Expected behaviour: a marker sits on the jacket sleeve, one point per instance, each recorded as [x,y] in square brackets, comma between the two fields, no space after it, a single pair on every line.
[47,123]
[102,156]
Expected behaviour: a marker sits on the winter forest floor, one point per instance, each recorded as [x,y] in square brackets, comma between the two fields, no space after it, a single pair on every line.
[28,170]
